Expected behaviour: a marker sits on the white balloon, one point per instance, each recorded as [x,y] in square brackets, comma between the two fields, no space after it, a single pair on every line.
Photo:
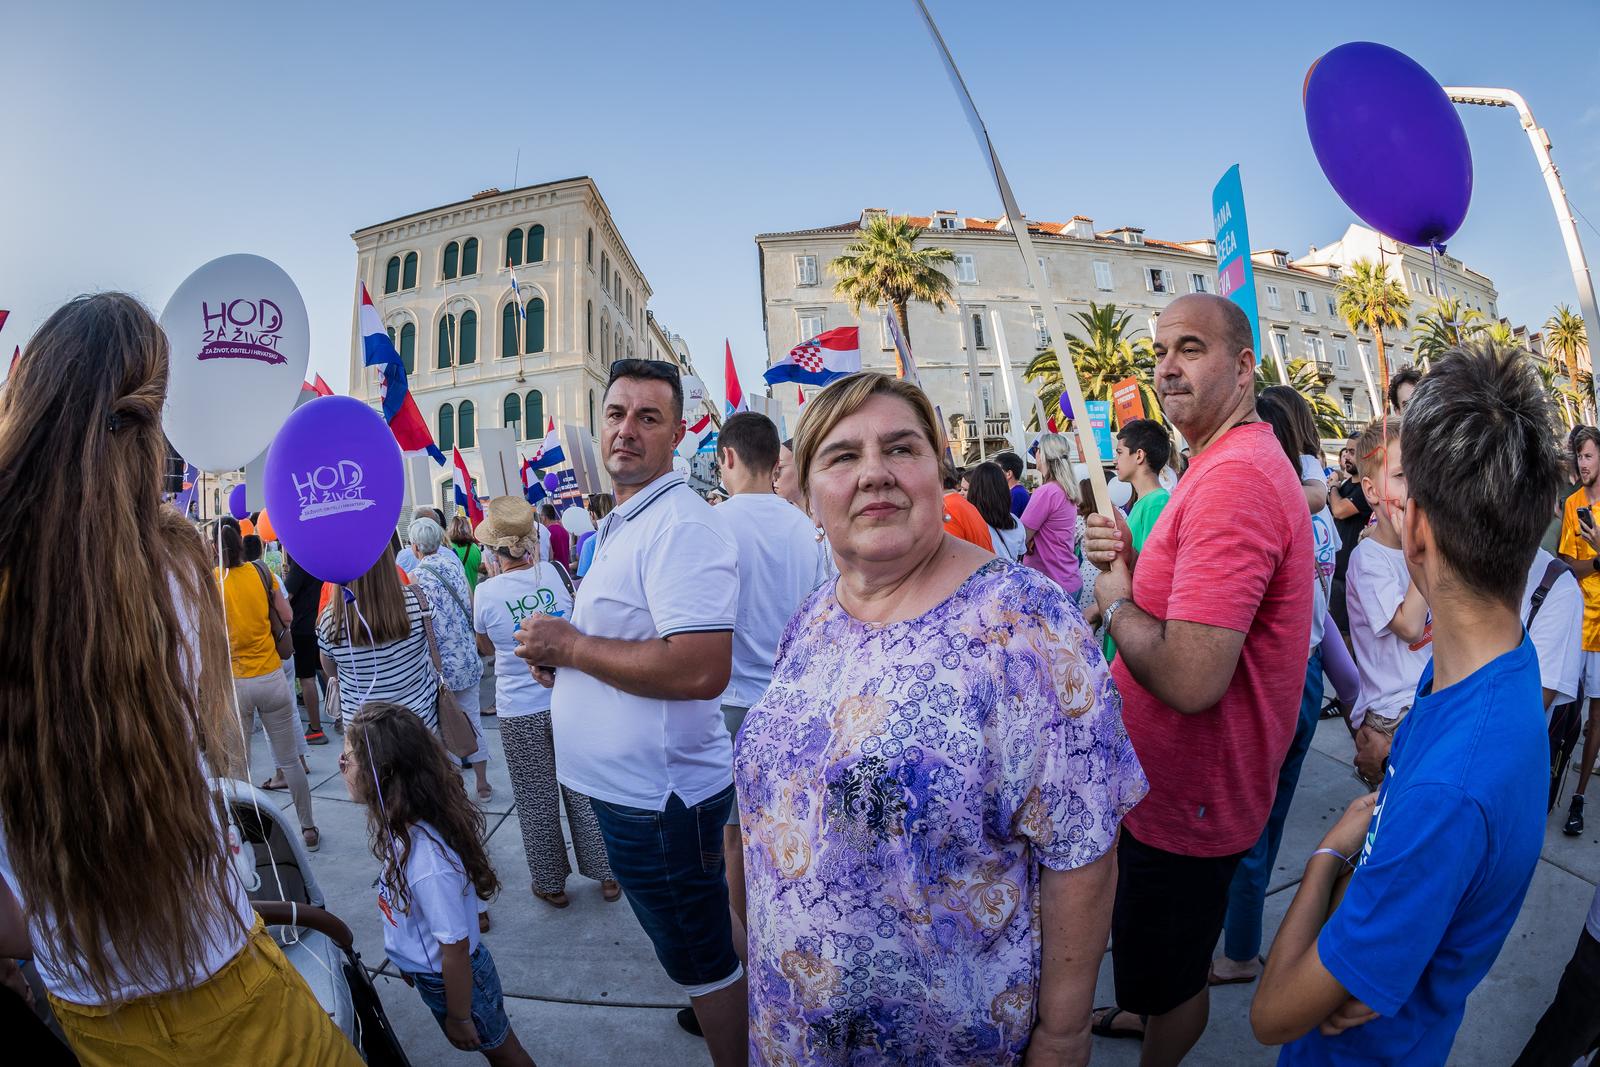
[240,339]
[576,520]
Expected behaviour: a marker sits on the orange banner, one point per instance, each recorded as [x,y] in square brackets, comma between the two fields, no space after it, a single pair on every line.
[1127,401]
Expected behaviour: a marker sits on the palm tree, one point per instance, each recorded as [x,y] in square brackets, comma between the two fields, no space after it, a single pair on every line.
[1304,380]
[1104,356]
[1556,391]
[1368,297]
[882,267]
[1565,337]
[1443,327]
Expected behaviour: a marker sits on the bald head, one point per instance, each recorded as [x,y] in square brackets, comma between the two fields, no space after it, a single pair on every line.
[1229,322]
[1205,365]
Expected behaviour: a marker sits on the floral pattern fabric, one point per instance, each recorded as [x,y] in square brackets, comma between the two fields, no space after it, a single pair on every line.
[444,583]
[899,787]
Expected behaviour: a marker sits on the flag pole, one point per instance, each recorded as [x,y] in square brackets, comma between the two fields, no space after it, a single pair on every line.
[1030,261]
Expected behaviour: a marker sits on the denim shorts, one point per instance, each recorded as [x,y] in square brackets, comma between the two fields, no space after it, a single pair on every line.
[670,865]
[488,1002]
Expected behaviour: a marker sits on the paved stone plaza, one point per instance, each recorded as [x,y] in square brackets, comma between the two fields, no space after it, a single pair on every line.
[584,990]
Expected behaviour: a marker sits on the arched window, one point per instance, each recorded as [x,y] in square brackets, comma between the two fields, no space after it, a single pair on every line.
[469,257]
[616,348]
[408,347]
[533,429]
[591,413]
[616,286]
[535,244]
[590,253]
[452,256]
[408,273]
[588,327]
[447,341]
[391,276]
[508,331]
[534,326]
[447,428]
[467,337]
[511,412]
[468,423]
[390,331]
[605,271]
[630,307]
[514,248]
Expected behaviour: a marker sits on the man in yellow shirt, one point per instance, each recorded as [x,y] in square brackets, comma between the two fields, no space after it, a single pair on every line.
[1580,550]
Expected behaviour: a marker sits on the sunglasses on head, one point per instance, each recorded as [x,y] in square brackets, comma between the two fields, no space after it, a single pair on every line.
[658,369]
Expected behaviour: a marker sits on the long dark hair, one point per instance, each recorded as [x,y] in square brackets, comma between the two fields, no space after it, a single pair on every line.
[987,491]
[419,783]
[1291,420]
[382,601]
[112,678]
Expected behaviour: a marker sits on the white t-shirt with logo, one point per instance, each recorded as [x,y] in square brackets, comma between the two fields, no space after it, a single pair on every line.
[778,567]
[663,565]
[1375,587]
[499,606]
[441,905]
[1557,630]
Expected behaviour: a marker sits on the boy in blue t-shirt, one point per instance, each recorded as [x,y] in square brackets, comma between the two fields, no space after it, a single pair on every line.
[1442,855]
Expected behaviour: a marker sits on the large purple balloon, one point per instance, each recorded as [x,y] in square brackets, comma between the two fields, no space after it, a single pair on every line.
[334,485]
[237,506]
[1389,141]
[551,481]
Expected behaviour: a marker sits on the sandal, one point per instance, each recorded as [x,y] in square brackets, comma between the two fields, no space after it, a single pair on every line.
[1101,1024]
[558,899]
[485,791]
[312,837]
[275,782]
[610,890]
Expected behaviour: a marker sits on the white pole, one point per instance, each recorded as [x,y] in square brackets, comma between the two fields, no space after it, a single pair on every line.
[1013,404]
[1540,140]
[972,381]
[1366,373]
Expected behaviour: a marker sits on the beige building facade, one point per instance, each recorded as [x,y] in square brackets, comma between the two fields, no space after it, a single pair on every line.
[441,281]
[962,351]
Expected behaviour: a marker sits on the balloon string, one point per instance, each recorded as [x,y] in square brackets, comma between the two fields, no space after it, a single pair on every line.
[238,718]
[1438,287]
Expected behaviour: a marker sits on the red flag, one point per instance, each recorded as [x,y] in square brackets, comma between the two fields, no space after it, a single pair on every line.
[730,377]
[320,387]
[16,354]
[1051,422]
[3,315]
[802,394]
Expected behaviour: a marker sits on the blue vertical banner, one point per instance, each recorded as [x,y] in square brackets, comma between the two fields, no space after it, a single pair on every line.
[1236,278]
[1100,423]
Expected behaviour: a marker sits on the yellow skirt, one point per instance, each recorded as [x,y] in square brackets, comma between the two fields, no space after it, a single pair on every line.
[256,1010]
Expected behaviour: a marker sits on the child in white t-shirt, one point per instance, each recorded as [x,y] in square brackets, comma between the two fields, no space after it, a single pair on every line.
[429,838]
[1389,627]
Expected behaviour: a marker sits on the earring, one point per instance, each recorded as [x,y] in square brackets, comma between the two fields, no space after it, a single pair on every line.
[947,517]
[820,535]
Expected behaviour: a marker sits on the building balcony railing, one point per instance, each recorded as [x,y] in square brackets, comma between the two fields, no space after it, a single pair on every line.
[993,427]
[1325,371]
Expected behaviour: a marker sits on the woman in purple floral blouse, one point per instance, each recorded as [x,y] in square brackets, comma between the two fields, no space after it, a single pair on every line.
[931,786]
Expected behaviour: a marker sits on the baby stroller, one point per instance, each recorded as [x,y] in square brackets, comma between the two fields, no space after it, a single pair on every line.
[280,883]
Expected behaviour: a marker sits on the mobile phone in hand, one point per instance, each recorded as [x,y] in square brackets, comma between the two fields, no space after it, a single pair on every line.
[1586,516]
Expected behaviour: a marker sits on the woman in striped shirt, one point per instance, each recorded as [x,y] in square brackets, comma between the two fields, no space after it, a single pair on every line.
[387,657]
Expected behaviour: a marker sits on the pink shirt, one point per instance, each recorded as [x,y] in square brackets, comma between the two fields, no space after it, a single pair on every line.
[560,544]
[1233,549]
[1053,519]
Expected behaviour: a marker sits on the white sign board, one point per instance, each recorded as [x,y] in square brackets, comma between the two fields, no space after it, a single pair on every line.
[502,476]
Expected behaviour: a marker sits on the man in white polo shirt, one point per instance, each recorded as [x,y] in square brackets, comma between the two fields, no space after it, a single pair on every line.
[637,676]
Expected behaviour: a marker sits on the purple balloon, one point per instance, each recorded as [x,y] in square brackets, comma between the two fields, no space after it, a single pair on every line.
[334,485]
[552,480]
[236,503]
[1066,404]
[1390,142]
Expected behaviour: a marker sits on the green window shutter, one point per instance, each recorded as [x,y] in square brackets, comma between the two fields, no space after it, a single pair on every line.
[511,410]
[536,244]
[514,248]
[469,257]
[443,353]
[452,252]
[467,338]
[391,276]
[468,423]
[534,427]
[408,347]
[535,325]
[508,331]
[408,279]
[588,327]
[447,428]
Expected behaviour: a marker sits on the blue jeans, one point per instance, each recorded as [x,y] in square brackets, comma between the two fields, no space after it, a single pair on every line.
[669,863]
[1247,894]
[488,1002]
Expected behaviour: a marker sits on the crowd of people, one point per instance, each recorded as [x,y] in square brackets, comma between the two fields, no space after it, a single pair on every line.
[881,753]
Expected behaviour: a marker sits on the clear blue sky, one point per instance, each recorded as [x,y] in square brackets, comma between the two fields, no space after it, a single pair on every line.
[141,141]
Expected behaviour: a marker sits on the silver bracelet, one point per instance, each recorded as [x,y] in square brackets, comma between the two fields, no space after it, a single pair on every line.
[1335,852]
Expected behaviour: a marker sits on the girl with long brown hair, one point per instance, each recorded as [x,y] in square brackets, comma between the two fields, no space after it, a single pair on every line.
[114,875]
[376,644]
[429,838]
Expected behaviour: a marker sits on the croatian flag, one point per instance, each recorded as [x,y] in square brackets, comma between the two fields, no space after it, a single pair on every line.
[399,406]
[692,436]
[549,452]
[466,491]
[730,376]
[532,490]
[819,360]
[322,388]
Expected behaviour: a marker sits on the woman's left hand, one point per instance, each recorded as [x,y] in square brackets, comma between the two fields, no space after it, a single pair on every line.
[1047,1049]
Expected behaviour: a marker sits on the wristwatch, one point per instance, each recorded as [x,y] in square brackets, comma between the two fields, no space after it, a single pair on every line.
[1111,611]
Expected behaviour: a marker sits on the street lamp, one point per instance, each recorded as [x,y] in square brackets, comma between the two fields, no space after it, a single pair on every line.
[1558,197]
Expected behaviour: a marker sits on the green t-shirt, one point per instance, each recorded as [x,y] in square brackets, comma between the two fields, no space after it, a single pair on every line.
[471,557]
[1141,520]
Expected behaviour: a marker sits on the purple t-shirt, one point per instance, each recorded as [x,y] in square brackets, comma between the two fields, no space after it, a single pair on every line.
[1052,518]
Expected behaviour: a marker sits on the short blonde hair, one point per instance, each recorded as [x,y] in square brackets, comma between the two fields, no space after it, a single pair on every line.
[843,398]
[1372,453]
